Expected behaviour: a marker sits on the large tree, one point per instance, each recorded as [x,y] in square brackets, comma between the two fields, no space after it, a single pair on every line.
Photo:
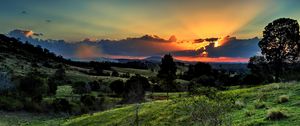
[167,71]
[135,89]
[280,43]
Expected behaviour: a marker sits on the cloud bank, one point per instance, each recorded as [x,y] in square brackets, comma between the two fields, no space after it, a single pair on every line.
[216,49]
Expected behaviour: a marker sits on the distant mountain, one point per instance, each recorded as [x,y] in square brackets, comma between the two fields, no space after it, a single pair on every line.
[99,59]
[155,59]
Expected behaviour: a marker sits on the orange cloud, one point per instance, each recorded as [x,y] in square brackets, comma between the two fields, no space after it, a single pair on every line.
[86,51]
[210,59]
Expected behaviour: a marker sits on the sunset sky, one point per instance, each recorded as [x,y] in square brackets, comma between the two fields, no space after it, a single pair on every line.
[115,20]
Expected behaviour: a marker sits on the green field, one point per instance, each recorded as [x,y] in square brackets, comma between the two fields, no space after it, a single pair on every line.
[161,112]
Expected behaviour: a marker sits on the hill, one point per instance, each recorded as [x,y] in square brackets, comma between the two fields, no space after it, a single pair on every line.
[251,108]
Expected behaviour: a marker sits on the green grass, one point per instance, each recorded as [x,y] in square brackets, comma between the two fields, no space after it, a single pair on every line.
[147,73]
[162,112]
[29,119]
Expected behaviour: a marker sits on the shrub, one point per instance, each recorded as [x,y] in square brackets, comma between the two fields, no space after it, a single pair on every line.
[206,91]
[95,85]
[61,105]
[81,87]
[203,111]
[125,75]
[283,99]
[33,106]
[205,80]
[259,104]
[239,104]
[135,89]
[88,100]
[33,86]
[52,84]
[276,114]
[115,74]
[10,104]
[249,113]
[117,87]
[6,84]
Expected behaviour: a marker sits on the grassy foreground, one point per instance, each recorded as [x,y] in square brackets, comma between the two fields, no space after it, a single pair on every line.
[252,107]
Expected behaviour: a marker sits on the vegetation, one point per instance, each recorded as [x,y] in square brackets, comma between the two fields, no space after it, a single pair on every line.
[133,93]
[167,72]
[280,43]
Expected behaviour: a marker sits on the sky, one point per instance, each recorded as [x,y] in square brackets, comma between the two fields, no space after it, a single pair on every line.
[79,21]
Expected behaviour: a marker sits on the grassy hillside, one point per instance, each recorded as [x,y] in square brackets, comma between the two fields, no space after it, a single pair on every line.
[252,107]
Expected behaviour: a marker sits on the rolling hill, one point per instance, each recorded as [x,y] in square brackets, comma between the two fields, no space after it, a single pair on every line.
[246,112]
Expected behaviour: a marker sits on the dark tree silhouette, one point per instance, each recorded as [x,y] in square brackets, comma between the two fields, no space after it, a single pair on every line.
[261,71]
[135,89]
[60,73]
[115,73]
[280,43]
[117,86]
[81,88]
[167,72]
[198,70]
[33,85]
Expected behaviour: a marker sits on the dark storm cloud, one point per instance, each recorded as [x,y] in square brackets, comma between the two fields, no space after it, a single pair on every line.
[211,39]
[206,39]
[147,45]
[233,48]
[199,40]
[141,46]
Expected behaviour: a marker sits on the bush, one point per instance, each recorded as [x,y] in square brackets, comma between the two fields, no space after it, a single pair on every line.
[205,80]
[203,111]
[33,86]
[95,85]
[81,87]
[259,104]
[6,84]
[276,114]
[239,104]
[10,104]
[33,106]
[61,105]
[125,75]
[52,84]
[118,87]
[283,99]
[249,113]
[88,100]
[135,89]
[115,74]
[206,91]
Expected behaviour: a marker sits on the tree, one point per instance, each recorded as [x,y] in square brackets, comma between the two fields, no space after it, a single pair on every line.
[81,88]
[6,84]
[117,87]
[33,85]
[60,73]
[88,100]
[57,78]
[52,84]
[280,43]
[261,71]
[95,85]
[198,70]
[135,89]
[167,72]
[115,73]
